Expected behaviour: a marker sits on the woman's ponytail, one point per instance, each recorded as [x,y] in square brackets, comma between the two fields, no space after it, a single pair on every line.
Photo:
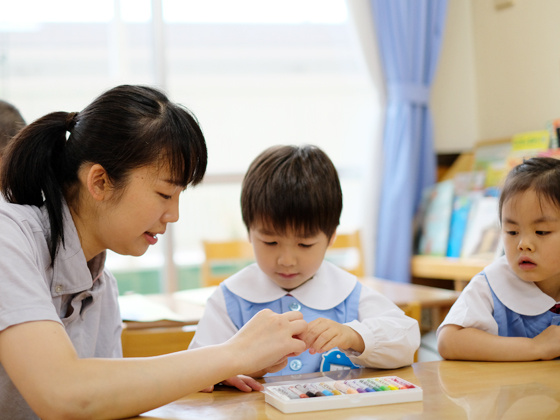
[33,170]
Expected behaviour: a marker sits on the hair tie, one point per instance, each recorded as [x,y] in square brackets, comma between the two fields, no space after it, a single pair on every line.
[71,120]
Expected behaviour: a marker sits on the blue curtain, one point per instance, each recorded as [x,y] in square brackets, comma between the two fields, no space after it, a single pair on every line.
[409,34]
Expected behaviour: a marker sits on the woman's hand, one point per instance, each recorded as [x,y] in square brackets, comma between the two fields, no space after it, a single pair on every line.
[267,340]
[324,334]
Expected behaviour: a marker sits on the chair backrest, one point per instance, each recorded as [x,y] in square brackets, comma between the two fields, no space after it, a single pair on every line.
[351,241]
[239,253]
[414,310]
[219,254]
[147,342]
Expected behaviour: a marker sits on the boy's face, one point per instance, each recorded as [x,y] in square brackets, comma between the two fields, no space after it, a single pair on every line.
[289,260]
[531,234]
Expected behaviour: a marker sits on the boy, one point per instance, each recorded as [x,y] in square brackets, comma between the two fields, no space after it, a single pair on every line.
[291,202]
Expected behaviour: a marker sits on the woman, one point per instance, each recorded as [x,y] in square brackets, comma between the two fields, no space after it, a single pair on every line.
[77,184]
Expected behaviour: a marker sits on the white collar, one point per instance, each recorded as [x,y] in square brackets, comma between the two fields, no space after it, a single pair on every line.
[523,297]
[329,287]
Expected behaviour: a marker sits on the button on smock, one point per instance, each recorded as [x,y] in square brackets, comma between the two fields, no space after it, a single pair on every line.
[58,289]
[295,306]
[296,364]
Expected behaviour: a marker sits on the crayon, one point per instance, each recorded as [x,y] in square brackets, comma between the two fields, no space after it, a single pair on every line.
[323,390]
[378,384]
[403,383]
[330,388]
[306,391]
[345,389]
[298,392]
[392,382]
[288,392]
[387,384]
[364,385]
[277,393]
[314,390]
[357,387]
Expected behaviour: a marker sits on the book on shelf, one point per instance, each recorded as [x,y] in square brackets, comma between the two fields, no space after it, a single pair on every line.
[527,145]
[459,217]
[468,186]
[437,218]
[483,232]
[553,128]
[491,157]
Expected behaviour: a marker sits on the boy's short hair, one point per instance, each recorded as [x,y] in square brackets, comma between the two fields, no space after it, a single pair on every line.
[11,122]
[292,188]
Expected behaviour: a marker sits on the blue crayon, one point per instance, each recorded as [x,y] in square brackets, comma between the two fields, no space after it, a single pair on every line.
[366,386]
[319,388]
[357,387]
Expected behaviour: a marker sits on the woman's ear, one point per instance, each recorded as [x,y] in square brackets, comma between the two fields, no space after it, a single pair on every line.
[98,184]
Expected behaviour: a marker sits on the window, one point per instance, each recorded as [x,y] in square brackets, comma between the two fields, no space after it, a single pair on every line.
[255,73]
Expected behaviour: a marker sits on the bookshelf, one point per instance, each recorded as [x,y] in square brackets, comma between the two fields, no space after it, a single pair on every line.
[458,270]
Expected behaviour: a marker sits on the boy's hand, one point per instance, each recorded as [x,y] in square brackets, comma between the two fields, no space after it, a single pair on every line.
[548,343]
[324,334]
[241,382]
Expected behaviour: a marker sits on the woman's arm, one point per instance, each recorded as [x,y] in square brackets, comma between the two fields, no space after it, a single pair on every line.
[458,343]
[42,363]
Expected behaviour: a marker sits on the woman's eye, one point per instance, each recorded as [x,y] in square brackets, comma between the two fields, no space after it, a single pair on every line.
[269,243]
[167,197]
[306,245]
[542,232]
[511,232]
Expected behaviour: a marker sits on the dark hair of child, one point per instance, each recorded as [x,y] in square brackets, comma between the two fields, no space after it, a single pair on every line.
[11,122]
[125,128]
[542,174]
[292,188]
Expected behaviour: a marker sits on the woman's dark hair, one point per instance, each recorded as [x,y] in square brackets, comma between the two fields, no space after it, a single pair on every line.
[292,187]
[541,174]
[125,128]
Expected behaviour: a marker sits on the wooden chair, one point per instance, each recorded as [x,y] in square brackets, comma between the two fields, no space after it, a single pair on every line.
[147,342]
[228,252]
[351,241]
[414,310]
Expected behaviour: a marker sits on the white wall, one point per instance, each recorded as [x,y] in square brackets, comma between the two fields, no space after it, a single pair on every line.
[499,72]
[454,96]
[517,65]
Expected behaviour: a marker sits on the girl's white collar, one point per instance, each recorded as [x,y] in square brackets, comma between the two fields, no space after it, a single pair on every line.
[523,297]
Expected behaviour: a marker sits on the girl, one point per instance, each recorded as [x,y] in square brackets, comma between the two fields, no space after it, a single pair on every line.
[509,312]
[77,184]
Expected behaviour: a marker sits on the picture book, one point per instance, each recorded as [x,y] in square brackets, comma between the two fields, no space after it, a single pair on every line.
[435,228]
[491,157]
[553,128]
[461,209]
[468,187]
[483,233]
[418,221]
[532,140]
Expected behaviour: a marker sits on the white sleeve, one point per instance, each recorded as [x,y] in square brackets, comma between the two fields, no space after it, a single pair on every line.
[391,338]
[215,326]
[474,308]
